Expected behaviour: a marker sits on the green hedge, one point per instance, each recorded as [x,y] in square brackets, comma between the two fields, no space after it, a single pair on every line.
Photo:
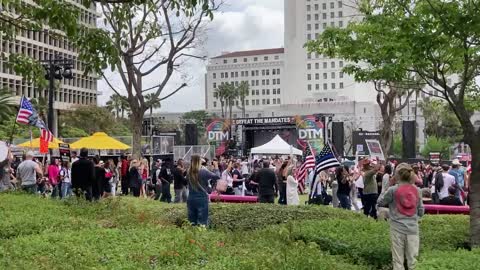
[460,259]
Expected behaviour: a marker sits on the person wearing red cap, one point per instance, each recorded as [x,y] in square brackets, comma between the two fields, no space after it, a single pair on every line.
[404,201]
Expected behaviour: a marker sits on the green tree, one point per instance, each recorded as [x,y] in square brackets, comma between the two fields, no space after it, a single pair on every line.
[114,104]
[222,93]
[152,102]
[440,121]
[436,41]
[68,131]
[6,104]
[397,146]
[434,144]
[242,92]
[200,119]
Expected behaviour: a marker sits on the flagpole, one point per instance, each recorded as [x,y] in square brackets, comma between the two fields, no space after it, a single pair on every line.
[10,141]
[31,138]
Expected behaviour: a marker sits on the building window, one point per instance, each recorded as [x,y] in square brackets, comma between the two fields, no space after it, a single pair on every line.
[268,72]
[263,101]
[273,82]
[246,102]
[340,63]
[214,75]
[317,86]
[253,92]
[309,18]
[309,77]
[277,57]
[274,101]
[309,87]
[364,110]
[253,73]
[325,76]
[325,64]
[274,91]
[325,86]
[340,4]
[309,56]
[257,73]
[340,14]
[317,65]
[324,6]
[278,81]
[316,17]
[309,66]
[221,75]
[235,60]
[333,85]
[268,91]
[214,85]
[332,64]
[225,61]
[263,72]
[245,60]
[317,76]
[341,85]
[278,71]
[324,16]
[309,37]
[214,104]
[278,91]
[308,7]
[268,82]
[268,101]
[236,74]
[316,6]
[341,75]
[226,74]
[340,24]
[332,5]
[257,92]
[324,25]
[278,101]
[255,59]
[259,115]
[309,27]
[317,26]
[257,82]
[333,75]
[265,58]
[332,24]
[263,91]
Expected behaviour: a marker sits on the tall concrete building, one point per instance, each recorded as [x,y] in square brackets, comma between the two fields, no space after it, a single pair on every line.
[40,45]
[310,77]
[261,69]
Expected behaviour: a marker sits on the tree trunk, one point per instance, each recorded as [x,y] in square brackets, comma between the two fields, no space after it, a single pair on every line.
[386,137]
[474,197]
[136,121]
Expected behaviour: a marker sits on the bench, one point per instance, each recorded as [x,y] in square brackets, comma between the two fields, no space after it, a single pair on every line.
[437,209]
[233,198]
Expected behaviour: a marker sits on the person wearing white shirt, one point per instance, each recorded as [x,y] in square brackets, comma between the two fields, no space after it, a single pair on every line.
[448,181]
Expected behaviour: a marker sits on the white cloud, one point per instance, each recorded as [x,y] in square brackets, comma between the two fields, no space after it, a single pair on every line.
[241,25]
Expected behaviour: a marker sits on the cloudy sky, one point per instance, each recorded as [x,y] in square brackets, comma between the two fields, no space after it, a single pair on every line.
[240,25]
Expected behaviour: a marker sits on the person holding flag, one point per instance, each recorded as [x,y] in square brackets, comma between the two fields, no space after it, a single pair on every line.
[323,161]
[27,115]
[303,171]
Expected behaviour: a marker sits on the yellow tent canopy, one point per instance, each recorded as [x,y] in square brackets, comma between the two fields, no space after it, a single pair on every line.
[36,143]
[100,141]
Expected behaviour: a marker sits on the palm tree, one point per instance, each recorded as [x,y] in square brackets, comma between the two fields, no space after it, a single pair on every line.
[5,104]
[221,94]
[124,106]
[114,104]
[242,92]
[153,102]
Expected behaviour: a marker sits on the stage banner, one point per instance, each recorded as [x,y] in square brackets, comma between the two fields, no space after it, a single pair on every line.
[375,149]
[310,129]
[218,135]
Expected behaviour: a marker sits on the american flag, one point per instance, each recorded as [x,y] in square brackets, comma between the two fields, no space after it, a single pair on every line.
[308,163]
[325,160]
[27,114]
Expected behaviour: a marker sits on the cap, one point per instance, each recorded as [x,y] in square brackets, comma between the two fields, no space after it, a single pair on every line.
[406,198]
[456,162]
[101,162]
[29,154]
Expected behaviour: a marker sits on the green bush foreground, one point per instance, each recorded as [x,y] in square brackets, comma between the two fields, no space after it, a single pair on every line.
[128,233]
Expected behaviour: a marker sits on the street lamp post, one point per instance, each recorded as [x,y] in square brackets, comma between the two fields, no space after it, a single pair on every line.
[56,69]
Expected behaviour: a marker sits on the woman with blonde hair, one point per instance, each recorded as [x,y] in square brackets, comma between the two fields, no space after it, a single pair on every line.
[292,187]
[197,202]
[143,170]
[134,178]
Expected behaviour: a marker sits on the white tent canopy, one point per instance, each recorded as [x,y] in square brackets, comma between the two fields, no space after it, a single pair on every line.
[277,146]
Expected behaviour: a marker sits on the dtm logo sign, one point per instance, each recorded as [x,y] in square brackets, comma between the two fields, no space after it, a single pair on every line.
[217,136]
[310,134]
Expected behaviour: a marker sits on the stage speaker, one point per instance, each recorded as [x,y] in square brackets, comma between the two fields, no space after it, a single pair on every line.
[191,134]
[338,137]
[408,139]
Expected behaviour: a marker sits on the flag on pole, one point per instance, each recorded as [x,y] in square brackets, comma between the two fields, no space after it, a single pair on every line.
[27,115]
[326,160]
[308,163]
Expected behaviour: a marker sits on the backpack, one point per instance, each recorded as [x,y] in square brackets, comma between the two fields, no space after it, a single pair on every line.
[438,182]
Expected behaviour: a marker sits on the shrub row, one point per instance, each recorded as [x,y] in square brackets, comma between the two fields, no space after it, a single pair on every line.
[459,259]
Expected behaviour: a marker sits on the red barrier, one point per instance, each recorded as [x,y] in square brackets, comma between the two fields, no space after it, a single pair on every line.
[233,198]
[437,209]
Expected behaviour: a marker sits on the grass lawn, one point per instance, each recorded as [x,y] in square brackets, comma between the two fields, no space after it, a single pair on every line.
[130,233]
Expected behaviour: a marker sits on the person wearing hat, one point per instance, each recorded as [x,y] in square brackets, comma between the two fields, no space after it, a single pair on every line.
[404,201]
[459,173]
[370,190]
[27,172]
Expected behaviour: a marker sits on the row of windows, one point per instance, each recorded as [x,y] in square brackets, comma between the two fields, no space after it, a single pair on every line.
[255,59]
[254,102]
[324,26]
[325,76]
[266,92]
[324,16]
[325,65]
[234,74]
[325,86]
[20,88]
[252,83]
[324,5]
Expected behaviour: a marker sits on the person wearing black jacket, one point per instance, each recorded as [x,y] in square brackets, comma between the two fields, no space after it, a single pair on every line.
[180,183]
[166,177]
[267,184]
[83,175]
[134,178]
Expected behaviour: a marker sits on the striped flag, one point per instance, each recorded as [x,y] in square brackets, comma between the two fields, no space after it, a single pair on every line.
[325,160]
[46,135]
[26,114]
[308,163]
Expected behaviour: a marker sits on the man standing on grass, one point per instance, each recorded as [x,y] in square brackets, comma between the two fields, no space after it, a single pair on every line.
[404,201]
[27,172]
[267,184]
[83,175]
